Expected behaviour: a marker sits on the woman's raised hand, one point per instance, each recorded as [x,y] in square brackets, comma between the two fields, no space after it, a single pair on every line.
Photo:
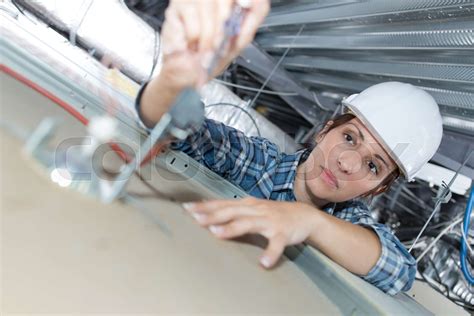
[194,29]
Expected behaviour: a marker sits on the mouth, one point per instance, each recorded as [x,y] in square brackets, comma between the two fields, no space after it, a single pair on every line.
[329,178]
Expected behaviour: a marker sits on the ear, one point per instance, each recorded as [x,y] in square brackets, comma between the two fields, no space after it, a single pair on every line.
[320,135]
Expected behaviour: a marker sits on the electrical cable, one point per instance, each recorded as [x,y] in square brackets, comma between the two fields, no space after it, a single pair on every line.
[437,206]
[318,102]
[240,108]
[465,240]
[73,32]
[18,7]
[438,276]
[466,220]
[444,193]
[277,65]
[74,113]
[457,263]
[15,3]
[66,106]
[255,89]
[450,240]
[444,231]
[435,287]
[458,300]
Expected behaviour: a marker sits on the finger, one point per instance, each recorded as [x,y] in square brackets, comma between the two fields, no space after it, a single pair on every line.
[238,228]
[210,206]
[173,36]
[224,7]
[224,215]
[191,22]
[208,19]
[252,21]
[275,249]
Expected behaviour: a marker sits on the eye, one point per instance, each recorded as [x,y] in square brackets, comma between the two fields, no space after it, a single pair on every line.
[349,139]
[373,168]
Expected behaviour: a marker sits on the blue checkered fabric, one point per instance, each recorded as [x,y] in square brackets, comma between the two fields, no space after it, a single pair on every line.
[257,166]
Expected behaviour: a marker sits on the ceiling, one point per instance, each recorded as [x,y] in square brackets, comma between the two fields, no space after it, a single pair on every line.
[337,47]
[312,54]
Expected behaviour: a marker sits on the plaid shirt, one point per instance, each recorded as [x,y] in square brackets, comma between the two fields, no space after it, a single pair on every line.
[257,166]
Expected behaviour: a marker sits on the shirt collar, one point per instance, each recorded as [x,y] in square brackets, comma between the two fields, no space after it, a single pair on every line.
[284,177]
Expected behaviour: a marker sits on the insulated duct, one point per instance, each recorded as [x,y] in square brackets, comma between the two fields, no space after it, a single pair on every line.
[133,47]
[105,28]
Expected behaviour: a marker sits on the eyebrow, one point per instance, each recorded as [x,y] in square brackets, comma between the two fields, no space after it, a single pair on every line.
[360,133]
[363,139]
[380,158]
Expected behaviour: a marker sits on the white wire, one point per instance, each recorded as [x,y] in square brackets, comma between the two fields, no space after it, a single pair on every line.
[318,103]
[445,190]
[73,33]
[465,240]
[276,66]
[436,208]
[410,243]
[255,89]
[441,234]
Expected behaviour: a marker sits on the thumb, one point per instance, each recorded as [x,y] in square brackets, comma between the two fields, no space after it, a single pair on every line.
[275,249]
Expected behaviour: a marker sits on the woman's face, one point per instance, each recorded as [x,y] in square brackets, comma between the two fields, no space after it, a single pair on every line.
[347,162]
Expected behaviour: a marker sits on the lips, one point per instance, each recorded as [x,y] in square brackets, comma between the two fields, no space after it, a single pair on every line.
[329,178]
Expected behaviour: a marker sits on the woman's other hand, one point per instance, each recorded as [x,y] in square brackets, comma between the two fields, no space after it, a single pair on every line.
[281,223]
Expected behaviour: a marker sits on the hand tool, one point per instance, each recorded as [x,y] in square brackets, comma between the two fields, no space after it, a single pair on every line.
[231,30]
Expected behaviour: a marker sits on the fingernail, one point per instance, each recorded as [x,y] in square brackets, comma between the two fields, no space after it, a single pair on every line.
[246,4]
[199,217]
[188,206]
[216,229]
[265,261]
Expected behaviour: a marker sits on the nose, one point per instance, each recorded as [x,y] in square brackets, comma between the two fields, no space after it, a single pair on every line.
[349,161]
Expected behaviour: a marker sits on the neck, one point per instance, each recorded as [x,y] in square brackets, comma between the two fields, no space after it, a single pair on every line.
[302,192]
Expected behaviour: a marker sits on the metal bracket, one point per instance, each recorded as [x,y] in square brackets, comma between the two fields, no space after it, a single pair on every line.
[185,115]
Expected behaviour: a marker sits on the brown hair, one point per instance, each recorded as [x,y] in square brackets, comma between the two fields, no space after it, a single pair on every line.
[389,179]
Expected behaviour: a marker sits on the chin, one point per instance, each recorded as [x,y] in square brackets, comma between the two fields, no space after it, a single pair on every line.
[318,189]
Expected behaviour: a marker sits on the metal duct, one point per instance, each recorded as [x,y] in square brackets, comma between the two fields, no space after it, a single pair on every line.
[224,106]
[347,46]
[66,71]
[106,28]
[129,43]
[305,12]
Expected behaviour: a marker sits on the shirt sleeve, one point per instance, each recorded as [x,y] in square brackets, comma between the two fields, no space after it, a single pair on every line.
[234,156]
[247,162]
[395,269]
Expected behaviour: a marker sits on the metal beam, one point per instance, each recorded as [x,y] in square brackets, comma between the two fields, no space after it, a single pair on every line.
[317,13]
[415,70]
[447,97]
[439,41]
[259,62]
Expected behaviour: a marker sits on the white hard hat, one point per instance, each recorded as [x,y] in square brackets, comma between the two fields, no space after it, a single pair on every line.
[404,119]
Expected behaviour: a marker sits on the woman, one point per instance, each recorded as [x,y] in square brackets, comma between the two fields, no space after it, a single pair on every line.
[390,129]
